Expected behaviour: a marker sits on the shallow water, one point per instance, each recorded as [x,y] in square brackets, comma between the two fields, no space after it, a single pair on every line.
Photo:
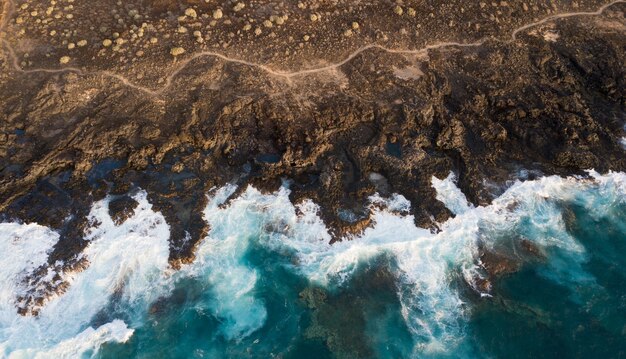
[266,283]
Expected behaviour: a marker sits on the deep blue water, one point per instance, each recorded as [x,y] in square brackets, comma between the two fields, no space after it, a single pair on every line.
[265,283]
[532,316]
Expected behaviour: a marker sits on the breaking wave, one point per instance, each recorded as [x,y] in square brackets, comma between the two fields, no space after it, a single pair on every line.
[262,249]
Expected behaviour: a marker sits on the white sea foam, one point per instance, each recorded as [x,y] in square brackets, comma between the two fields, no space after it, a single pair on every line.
[25,247]
[432,309]
[220,261]
[130,260]
[271,221]
[89,340]
[450,195]
[126,260]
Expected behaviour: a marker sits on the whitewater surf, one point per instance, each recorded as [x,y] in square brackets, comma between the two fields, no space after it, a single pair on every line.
[265,281]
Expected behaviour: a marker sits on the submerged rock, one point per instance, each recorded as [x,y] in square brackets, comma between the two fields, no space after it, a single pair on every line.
[120,209]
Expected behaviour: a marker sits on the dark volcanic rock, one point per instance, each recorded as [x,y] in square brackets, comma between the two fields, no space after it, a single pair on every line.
[122,208]
[483,111]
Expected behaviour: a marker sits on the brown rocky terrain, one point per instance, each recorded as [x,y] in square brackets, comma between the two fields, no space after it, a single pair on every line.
[344,99]
[138,38]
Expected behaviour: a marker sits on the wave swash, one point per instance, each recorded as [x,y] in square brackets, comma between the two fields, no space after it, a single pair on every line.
[261,245]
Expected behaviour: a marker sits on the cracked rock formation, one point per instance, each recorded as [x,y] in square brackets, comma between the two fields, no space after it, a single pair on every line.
[93,103]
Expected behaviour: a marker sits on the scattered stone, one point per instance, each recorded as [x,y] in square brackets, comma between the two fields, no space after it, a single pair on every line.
[432,132]
[176,51]
[198,35]
[191,13]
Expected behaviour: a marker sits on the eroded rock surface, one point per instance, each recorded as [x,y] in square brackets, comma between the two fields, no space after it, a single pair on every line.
[538,86]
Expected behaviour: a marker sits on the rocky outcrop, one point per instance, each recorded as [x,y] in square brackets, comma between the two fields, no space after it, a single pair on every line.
[122,208]
[553,105]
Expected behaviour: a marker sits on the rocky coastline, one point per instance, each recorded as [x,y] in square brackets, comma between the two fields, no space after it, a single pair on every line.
[491,104]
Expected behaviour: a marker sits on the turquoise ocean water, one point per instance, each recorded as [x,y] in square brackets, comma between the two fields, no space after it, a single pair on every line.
[265,283]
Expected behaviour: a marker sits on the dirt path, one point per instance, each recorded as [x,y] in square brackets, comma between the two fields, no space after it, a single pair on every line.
[9,9]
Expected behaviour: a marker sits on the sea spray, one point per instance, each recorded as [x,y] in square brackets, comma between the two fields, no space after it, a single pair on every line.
[433,310]
[263,252]
[450,195]
[126,260]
